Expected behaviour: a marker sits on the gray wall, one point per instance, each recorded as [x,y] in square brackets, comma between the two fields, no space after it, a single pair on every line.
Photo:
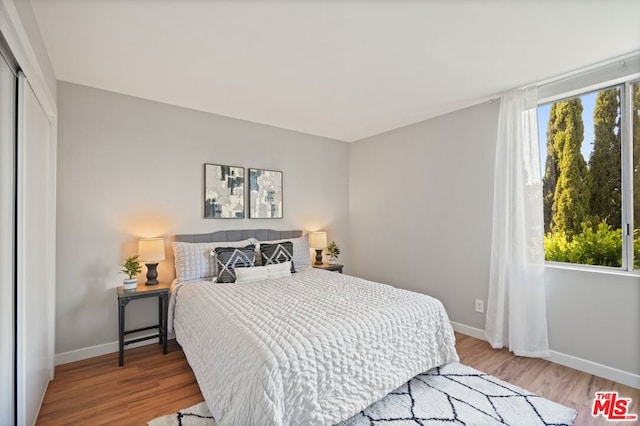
[420,212]
[420,217]
[130,168]
[595,316]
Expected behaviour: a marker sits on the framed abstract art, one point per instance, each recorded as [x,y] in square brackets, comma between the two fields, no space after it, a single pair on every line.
[265,194]
[223,192]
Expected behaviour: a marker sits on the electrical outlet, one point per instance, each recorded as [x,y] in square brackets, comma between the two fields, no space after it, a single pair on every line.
[480,306]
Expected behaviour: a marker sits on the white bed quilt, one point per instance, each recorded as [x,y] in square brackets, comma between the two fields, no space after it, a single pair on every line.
[311,349]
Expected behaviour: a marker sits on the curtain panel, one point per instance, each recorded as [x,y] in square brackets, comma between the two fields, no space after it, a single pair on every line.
[516,307]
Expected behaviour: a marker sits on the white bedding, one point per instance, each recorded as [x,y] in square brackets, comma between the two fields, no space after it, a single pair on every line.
[311,349]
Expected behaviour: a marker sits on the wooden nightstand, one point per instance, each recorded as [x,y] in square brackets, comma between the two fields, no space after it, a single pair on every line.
[161,291]
[329,267]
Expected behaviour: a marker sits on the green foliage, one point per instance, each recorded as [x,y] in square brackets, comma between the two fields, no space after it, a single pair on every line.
[333,250]
[131,266]
[636,249]
[551,172]
[557,247]
[598,244]
[570,197]
[605,175]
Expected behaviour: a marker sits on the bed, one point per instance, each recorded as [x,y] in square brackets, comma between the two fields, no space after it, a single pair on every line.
[312,348]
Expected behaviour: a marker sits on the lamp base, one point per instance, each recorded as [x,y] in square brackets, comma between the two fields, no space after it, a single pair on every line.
[318,257]
[152,274]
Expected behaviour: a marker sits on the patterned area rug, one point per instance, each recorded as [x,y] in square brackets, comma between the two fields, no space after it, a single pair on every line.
[454,393]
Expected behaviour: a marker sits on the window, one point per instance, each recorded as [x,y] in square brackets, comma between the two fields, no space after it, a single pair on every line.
[590,165]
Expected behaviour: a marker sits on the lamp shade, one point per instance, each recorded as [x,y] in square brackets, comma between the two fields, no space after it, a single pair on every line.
[318,240]
[151,249]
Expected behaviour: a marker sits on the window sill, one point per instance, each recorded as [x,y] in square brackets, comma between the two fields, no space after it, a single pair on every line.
[592,268]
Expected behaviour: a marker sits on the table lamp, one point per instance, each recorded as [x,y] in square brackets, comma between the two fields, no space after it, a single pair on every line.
[318,241]
[151,251]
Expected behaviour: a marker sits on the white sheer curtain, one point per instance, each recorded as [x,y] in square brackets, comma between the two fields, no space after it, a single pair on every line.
[516,308]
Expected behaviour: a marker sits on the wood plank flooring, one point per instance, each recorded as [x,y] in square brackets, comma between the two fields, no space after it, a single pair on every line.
[98,392]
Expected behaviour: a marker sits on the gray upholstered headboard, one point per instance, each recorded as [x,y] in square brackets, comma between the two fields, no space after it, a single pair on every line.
[237,235]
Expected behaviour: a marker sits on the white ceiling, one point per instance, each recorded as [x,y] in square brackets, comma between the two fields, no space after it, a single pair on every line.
[340,69]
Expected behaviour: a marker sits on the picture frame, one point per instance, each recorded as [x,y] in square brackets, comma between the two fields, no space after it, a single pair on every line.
[223,192]
[265,194]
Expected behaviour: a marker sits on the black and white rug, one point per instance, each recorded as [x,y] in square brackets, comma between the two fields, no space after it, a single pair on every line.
[454,393]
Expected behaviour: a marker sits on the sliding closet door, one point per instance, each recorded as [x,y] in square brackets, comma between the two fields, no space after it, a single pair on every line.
[8,87]
[35,255]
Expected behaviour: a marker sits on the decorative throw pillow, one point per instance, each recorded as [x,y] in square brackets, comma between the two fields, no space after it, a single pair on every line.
[249,275]
[301,254]
[277,253]
[229,258]
[279,270]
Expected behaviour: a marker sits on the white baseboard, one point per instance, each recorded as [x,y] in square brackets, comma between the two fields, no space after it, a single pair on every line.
[571,361]
[93,351]
[596,369]
[468,330]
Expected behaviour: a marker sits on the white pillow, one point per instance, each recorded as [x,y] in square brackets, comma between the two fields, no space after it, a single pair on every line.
[278,270]
[193,261]
[248,275]
[301,256]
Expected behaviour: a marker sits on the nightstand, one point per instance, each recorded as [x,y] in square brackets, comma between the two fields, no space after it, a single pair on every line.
[329,267]
[161,291]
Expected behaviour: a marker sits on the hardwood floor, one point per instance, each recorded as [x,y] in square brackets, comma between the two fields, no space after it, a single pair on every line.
[565,385]
[96,391]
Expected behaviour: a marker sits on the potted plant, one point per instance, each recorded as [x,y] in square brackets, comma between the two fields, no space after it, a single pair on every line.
[132,268]
[334,251]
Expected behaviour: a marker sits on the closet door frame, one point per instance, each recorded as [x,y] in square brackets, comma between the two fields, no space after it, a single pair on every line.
[35,254]
[17,39]
[8,146]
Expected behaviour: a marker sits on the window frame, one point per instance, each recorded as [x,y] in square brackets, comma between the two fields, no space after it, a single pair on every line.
[626,118]
[625,84]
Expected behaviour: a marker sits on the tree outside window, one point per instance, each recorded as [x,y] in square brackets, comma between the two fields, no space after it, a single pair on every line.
[581,146]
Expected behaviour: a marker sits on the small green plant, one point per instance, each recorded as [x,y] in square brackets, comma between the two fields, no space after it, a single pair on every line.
[131,266]
[333,250]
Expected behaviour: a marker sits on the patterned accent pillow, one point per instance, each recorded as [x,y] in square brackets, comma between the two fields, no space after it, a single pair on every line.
[229,258]
[272,254]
